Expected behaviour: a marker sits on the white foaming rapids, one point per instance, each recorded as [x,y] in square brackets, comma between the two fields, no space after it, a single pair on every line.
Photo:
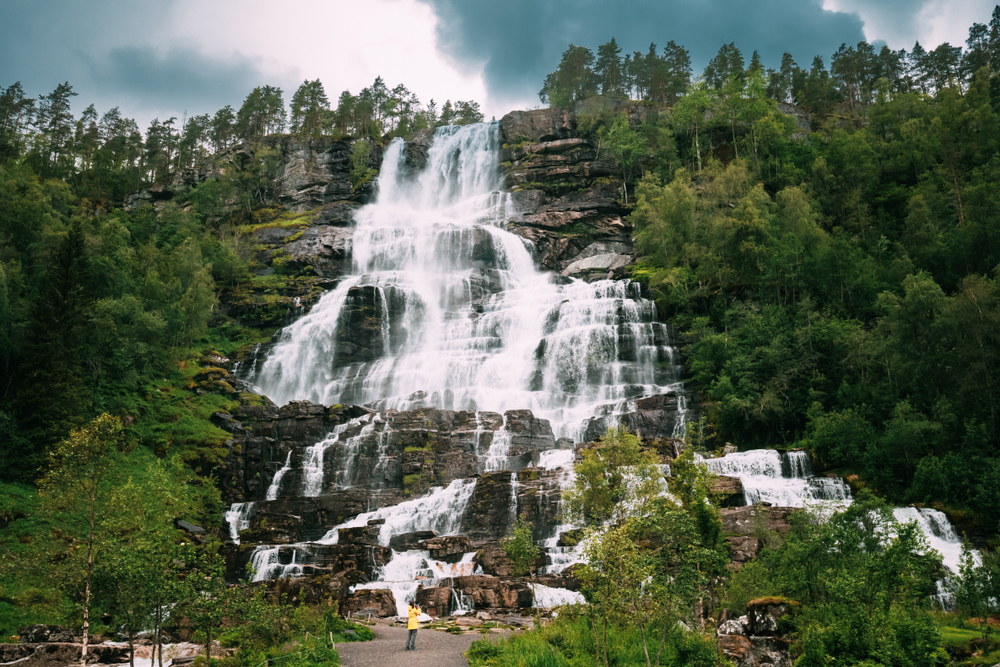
[785,479]
[275,488]
[547,597]
[561,557]
[498,455]
[440,510]
[266,564]
[238,518]
[941,537]
[410,569]
[467,322]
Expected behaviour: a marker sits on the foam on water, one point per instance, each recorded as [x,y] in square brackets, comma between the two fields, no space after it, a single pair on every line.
[782,479]
[467,322]
[441,510]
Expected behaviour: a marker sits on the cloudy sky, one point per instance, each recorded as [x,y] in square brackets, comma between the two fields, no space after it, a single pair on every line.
[166,57]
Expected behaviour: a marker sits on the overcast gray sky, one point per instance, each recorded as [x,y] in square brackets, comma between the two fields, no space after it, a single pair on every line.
[166,57]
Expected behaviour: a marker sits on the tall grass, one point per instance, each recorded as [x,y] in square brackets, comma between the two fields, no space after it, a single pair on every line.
[569,642]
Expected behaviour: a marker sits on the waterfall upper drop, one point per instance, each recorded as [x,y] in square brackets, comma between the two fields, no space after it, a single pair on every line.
[445,308]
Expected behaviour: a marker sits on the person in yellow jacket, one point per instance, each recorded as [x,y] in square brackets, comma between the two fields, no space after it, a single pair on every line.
[412,624]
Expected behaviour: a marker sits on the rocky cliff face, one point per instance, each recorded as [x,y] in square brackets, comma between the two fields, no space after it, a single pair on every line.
[345,496]
[566,196]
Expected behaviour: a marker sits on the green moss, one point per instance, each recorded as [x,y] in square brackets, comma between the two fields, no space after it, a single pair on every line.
[425,448]
[412,483]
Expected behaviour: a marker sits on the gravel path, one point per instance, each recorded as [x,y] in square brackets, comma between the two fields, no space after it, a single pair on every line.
[434,649]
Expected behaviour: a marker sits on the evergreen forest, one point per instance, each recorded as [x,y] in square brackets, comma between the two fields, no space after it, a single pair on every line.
[825,239]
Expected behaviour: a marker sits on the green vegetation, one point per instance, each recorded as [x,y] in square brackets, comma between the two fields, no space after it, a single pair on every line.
[570,640]
[650,560]
[520,548]
[835,274]
[861,583]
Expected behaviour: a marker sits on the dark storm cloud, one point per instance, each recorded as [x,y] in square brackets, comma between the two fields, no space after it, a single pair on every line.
[161,80]
[519,41]
[108,52]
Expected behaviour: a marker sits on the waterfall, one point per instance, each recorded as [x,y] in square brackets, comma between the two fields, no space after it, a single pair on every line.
[462,319]
[275,488]
[444,308]
[312,463]
[784,479]
[238,518]
[787,479]
[561,557]
[547,597]
[941,537]
[440,510]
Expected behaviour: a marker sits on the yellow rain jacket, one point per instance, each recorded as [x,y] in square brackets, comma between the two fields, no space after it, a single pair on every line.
[413,623]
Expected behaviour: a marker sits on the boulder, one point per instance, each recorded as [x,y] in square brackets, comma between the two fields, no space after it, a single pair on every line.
[769,651]
[449,548]
[326,250]
[764,614]
[733,627]
[189,527]
[737,648]
[364,535]
[435,601]
[40,634]
[494,560]
[58,654]
[570,538]
[410,541]
[537,125]
[741,520]
[379,602]
[728,491]
[598,267]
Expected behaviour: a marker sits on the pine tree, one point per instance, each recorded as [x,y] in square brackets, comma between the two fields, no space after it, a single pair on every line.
[608,69]
[574,81]
[52,397]
[55,121]
[678,66]
[16,112]
[309,109]
[221,133]
[727,64]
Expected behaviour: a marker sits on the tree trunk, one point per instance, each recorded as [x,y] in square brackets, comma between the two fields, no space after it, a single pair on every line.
[208,646]
[697,146]
[86,593]
[131,649]
[159,634]
[645,649]
[606,640]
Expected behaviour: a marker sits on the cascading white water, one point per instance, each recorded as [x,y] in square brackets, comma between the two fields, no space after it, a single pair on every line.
[275,487]
[941,537]
[409,570]
[312,464]
[238,518]
[464,321]
[547,597]
[787,480]
[467,322]
[783,479]
[441,510]
[498,455]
